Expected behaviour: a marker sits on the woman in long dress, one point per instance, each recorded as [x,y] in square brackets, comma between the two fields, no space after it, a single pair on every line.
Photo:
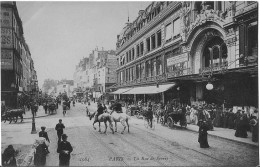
[203,134]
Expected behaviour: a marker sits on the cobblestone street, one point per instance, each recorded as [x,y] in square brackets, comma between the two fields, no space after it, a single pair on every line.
[145,147]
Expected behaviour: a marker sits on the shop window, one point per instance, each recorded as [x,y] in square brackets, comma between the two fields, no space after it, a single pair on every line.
[252,39]
[159,38]
[168,32]
[153,41]
[142,48]
[148,44]
[137,50]
[176,27]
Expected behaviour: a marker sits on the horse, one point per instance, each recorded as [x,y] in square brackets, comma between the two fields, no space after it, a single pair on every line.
[105,117]
[13,113]
[120,117]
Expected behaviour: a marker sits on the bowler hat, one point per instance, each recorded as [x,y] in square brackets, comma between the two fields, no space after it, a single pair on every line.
[43,128]
[63,136]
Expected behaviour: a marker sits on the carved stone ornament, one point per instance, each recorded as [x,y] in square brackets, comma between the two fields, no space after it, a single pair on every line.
[204,16]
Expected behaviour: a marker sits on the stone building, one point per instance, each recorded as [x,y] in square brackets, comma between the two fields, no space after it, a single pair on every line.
[96,73]
[190,52]
[18,76]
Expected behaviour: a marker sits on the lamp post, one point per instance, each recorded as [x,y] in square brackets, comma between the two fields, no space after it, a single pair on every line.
[32,107]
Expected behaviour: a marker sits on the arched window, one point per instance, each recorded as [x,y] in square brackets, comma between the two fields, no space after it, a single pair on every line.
[215,53]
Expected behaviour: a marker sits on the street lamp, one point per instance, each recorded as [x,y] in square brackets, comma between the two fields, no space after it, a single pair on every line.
[33,118]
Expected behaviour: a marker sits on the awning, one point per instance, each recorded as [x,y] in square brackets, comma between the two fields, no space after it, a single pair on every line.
[121,91]
[150,89]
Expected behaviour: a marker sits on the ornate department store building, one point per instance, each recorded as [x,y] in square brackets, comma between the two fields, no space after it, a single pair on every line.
[190,52]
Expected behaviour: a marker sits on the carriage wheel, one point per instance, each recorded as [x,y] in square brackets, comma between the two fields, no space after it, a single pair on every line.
[170,122]
[161,120]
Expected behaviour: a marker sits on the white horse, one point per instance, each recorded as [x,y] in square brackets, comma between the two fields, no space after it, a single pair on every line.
[119,117]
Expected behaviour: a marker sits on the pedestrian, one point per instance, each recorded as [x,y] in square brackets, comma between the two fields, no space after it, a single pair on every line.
[45,135]
[59,127]
[8,157]
[64,106]
[254,125]
[241,130]
[45,106]
[64,150]
[203,134]
[40,153]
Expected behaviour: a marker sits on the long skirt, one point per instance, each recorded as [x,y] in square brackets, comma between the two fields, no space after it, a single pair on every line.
[255,133]
[203,140]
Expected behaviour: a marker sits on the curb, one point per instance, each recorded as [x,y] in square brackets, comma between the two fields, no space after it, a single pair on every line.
[215,136]
[36,117]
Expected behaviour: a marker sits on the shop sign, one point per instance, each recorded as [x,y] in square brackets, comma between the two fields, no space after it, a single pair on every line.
[221,68]
[6,17]
[6,38]
[6,59]
[177,59]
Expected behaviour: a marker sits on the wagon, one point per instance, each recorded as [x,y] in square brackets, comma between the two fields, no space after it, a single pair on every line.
[175,117]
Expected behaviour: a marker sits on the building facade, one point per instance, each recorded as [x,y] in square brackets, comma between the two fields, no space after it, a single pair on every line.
[191,52]
[17,71]
[96,73]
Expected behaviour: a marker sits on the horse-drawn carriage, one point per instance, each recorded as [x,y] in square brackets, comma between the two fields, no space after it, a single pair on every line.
[9,114]
[172,118]
[134,110]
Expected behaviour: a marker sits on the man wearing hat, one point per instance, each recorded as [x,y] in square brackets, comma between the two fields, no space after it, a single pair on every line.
[64,149]
[59,127]
[45,135]
[99,110]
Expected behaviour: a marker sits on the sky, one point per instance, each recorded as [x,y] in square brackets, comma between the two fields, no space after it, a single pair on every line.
[61,33]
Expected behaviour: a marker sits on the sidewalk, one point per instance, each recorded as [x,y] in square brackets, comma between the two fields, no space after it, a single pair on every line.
[225,133]
[40,113]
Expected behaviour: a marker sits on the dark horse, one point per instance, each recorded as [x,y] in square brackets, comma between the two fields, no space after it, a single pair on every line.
[105,117]
[13,113]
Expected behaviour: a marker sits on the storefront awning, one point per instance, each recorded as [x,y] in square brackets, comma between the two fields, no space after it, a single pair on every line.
[150,89]
[121,91]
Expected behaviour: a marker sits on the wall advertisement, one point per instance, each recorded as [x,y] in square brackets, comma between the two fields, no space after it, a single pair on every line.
[6,59]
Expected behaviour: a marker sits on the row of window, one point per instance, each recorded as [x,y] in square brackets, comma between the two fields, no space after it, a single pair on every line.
[149,68]
[172,30]
[145,20]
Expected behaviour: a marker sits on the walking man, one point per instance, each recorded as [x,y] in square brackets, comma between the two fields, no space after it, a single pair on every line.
[59,127]
[64,149]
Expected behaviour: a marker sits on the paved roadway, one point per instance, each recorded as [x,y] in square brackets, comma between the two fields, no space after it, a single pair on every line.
[142,147]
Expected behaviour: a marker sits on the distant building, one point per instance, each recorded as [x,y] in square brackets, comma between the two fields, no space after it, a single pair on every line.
[96,73]
[65,86]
